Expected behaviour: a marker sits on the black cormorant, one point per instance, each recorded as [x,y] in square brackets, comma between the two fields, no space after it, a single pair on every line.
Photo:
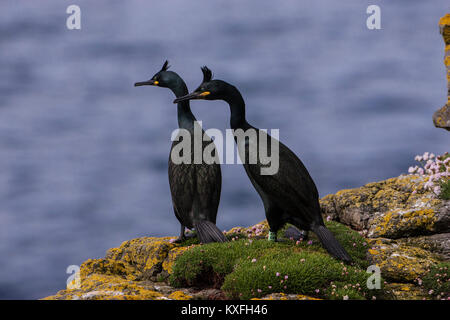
[195,188]
[289,195]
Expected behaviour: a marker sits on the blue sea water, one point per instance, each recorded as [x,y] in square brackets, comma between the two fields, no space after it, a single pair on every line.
[83,153]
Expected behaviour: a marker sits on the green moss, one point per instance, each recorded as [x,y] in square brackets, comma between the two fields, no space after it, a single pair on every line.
[253,268]
[437,281]
[445,190]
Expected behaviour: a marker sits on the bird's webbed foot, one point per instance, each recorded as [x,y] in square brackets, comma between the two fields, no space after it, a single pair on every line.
[296,234]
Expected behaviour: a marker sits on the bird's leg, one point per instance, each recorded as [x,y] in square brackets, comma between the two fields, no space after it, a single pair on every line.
[182,237]
[273,215]
[272,236]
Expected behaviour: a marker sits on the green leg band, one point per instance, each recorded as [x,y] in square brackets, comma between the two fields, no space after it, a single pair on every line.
[272,236]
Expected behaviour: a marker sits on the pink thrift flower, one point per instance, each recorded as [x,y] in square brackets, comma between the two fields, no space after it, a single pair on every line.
[437,190]
[277,274]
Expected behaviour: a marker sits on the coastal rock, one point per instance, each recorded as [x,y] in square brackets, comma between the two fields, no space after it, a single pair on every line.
[406,226]
[400,262]
[99,286]
[393,208]
[283,296]
[407,291]
[441,118]
[438,244]
[145,257]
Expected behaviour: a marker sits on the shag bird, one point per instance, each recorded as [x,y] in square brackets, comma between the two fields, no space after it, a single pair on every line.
[289,195]
[195,188]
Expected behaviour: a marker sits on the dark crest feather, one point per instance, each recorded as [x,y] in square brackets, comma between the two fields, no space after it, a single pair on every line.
[165,66]
[207,74]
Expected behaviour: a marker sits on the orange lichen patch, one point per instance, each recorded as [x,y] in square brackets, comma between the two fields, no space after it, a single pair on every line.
[445,20]
[406,291]
[396,223]
[303,297]
[107,287]
[394,207]
[179,295]
[142,253]
[444,26]
[441,117]
[400,262]
[107,267]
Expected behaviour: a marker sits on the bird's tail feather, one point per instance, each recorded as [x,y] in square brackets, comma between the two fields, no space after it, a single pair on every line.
[331,244]
[208,232]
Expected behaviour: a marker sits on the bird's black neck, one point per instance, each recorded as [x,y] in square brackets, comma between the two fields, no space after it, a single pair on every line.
[237,108]
[185,116]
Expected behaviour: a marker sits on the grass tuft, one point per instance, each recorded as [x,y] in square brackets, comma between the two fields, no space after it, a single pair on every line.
[251,268]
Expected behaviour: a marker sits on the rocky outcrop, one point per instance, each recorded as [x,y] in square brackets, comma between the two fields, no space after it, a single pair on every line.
[394,208]
[441,118]
[407,226]
[128,272]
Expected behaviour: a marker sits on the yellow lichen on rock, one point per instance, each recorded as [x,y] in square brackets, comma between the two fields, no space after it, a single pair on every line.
[107,287]
[108,267]
[399,222]
[126,272]
[441,118]
[145,254]
[395,207]
[179,295]
[406,291]
[398,261]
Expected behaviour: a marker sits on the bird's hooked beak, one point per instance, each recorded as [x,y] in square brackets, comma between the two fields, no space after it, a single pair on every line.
[147,83]
[192,96]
